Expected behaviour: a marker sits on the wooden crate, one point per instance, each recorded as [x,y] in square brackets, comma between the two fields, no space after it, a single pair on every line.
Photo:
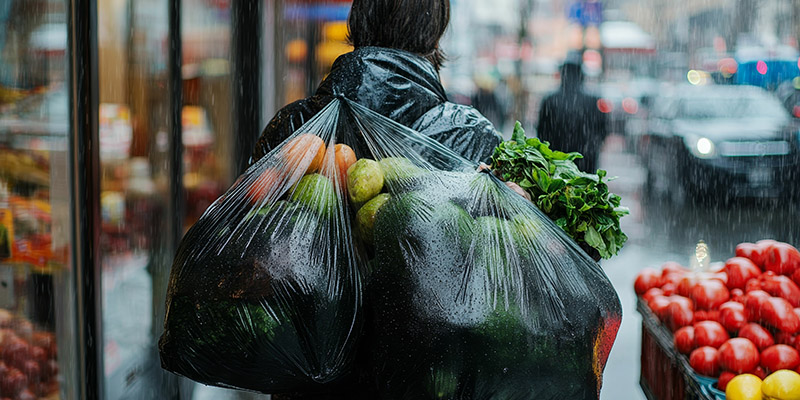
[665,373]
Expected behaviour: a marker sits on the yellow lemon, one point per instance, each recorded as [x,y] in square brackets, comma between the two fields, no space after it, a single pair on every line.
[744,387]
[782,385]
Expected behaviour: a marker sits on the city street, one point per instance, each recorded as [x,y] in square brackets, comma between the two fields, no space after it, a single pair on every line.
[657,234]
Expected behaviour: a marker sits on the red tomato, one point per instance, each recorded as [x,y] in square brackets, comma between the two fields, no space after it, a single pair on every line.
[652,292]
[796,276]
[780,286]
[682,301]
[752,285]
[668,289]
[16,353]
[731,316]
[684,340]
[646,279]
[38,354]
[13,382]
[31,370]
[784,338]
[724,378]
[758,335]
[740,270]
[672,279]
[779,314]
[685,285]
[670,267]
[709,333]
[759,372]
[752,304]
[659,306]
[765,244]
[751,251]
[782,259]
[709,294]
[738,355]
[732,305]
[705,360]
[737,295]
[721,276]
[779,356]
[679,315]
[701,315]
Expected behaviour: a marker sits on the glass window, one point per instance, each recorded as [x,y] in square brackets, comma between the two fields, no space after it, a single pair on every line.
[37,315]
[134,250]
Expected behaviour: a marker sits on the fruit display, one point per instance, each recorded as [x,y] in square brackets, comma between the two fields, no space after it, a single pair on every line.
[738,322]
[333,264]
[28,366]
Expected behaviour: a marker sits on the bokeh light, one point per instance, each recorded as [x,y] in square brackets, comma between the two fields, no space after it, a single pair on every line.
[605,106]
[705,146]
[761,67]
[694,77]
[630,105]
[727,67]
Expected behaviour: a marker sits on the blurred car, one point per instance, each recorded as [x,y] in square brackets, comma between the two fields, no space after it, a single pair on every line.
[625,101]
[720,142]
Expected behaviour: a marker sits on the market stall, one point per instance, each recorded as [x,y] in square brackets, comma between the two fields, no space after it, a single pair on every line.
[722,330]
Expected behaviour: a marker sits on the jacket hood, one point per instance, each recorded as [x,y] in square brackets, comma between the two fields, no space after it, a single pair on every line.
[400,85]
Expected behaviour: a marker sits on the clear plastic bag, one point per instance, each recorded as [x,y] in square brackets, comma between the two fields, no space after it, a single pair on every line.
[265,292]
[396,266]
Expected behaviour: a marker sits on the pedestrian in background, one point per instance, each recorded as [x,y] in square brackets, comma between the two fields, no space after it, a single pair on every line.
[571,120]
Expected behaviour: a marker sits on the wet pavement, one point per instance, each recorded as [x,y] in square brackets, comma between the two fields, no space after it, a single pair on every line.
[658,233]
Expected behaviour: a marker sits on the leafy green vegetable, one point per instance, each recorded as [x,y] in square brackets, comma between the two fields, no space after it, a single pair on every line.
[578,202]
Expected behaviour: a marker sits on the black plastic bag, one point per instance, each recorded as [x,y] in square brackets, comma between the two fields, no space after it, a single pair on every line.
[471,292]
[265,292]
[396,84]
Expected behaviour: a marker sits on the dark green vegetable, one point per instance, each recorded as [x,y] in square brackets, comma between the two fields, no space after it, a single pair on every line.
[578,202]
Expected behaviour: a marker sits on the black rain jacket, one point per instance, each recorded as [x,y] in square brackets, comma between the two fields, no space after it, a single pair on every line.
[397,84]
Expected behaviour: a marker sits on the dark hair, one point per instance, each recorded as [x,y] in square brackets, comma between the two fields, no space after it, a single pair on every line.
[411,25]
[571,75]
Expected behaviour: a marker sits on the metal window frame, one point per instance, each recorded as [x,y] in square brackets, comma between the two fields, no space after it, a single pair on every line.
[246,52]
[247,20]
[84,153]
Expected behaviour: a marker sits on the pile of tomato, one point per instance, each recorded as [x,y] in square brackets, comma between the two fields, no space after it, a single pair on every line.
[740,317]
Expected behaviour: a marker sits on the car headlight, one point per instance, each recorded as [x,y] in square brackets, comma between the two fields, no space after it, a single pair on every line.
[701,147]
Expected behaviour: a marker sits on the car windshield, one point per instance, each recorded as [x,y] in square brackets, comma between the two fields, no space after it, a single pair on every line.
[731,107]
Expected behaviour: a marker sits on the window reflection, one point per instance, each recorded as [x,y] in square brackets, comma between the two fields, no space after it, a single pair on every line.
[36,313]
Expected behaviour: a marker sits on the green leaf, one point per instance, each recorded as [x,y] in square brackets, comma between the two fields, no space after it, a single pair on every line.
[594,239]
[519,133]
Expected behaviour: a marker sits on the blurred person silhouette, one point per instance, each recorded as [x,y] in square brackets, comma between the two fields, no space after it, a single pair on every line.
[571,120]
[394,70]
[486,100]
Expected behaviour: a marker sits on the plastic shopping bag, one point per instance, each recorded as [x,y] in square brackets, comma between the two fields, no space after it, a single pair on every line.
[361,248]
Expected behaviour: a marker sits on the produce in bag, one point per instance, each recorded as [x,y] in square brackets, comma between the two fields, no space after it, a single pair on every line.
[474,293]
[265,292]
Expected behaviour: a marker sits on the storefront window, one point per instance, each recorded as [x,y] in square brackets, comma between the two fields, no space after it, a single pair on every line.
[37,314]
[314,34]
[135,250]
